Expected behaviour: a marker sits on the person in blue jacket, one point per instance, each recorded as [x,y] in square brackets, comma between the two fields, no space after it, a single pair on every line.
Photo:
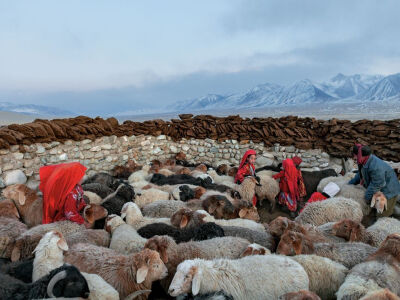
[376,175]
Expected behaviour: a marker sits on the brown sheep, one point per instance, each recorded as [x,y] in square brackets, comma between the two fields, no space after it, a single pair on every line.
[379,201]
[222,169]
[10,230]
[8,209]
[199,191]
[202,168]
[295,243]
[28,203]
[184,170]
[300,295]
[232,171]
[389,250]
[125,171]
[180,156]
[126,273]
[94,212]
[382,294]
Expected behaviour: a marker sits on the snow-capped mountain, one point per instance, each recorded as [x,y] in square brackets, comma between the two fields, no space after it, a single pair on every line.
[304,92]
[32,109]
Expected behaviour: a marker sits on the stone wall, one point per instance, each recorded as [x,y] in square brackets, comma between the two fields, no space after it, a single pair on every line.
[20,164]
[335,137]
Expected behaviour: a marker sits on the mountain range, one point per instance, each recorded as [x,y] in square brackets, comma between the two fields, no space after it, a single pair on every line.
[340,88]
[33,109]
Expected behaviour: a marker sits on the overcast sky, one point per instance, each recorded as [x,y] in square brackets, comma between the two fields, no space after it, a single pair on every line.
[108,56]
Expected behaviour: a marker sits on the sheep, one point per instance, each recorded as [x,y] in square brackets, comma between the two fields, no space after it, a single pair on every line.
[206,296]
[251,277]
[203,232]
[330,210]
[222,179]
[21,270]
[218,206]
[124,238]
[184,217]
[232,171]
[72,232]
[126,273]
[311,179]
[247,189]
[339,180]
[49,256]
[173,254]
[326,230]
[162,208]
[149,196]
[325,275]
[10,230]
[255,249]
[8,209]
[381,294]
[379,202]
[93,213]
[99,189]
[160,179]
[300,295]
[123,172]
[65,281]
[373,235]
[381,270]
[269,189]
[165,172]
[348,254]
[93,197]
[222,169]
[131,212]
[253,236]
[105,179]
[183,192]
[28,203]
[140,175]
[357,194]
[115,201]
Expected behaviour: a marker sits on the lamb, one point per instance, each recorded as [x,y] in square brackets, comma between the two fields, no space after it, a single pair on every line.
[28,203]
[381,270]
[251,277]
[348,254]
[253,236]
[373,235]
[162,208]
[49,256]
[269,189]
[134,216]
[312,179]
[8,209]
[173,254]
[184,217]
[151,195]
[72,232]
[379,202]
[300,295]
[325,275]
[115,201]
[330,210]
[126,273]
[65,281]
[104,179]
[10,230]
[203,232]
[97,188]
[124,238]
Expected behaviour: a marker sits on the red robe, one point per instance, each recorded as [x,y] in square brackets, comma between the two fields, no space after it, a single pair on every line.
[56,184]
[315,197]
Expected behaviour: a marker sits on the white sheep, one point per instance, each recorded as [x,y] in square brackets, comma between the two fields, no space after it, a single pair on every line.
[151,195]
[163,208]
[222,179]
[134,217]
[356,193]
[330,210]
[140,175]
[269,188]
[251,277]
[124,238]
[325,275]
[93,197]
[339,180]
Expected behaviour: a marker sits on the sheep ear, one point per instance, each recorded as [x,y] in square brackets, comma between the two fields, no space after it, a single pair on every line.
[354,234]
[385,205]
[62,244]
[242,212]
[184,221]
[141,274]
[88,215]
[373,201]
[16,254]
[21,198]
[196,282]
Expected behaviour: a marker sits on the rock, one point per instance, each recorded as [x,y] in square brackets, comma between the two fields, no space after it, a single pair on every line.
[18,156]
[8,166]
[173,149]
[161,137]
[33,184]
[14,177]
[106,147]
[200,149]
[95,148]
[29,163]
[86,141]
[63,157]
[262,161]
[268,155]
[337,168]
[157,150]
[185,148]
[40,150]
[214,150]
[290,149]
[2,184]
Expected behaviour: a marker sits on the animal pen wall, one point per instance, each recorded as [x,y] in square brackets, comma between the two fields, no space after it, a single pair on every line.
[101,144]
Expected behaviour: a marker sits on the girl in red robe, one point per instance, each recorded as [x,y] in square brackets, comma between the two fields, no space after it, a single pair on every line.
[62,193]
[246,168]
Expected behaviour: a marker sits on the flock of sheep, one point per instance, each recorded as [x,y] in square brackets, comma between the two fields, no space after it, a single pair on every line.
[188,231]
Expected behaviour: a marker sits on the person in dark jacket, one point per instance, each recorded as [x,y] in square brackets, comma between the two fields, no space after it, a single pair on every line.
[376,175]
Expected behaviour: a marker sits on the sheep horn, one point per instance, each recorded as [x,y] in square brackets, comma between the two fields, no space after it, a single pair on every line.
[135,294]
[56,278]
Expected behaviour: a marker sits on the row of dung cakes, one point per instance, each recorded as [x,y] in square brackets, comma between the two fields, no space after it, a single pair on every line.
[333,136]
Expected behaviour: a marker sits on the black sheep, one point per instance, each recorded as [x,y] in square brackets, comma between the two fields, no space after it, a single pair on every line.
[312,178]
[65,281]
[278,168]
[104,179]
[186,193]
[160,179]
[21,270]
[98,188]
[199,233]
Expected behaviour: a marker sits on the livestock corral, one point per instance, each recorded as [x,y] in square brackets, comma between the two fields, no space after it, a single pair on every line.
[173,229]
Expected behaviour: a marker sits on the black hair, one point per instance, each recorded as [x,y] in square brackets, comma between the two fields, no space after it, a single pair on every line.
[365,150]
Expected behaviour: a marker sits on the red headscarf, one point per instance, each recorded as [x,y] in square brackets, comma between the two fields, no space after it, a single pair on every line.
[297,160]
[361,160]
[291,175]
[244,159]
[56,182]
